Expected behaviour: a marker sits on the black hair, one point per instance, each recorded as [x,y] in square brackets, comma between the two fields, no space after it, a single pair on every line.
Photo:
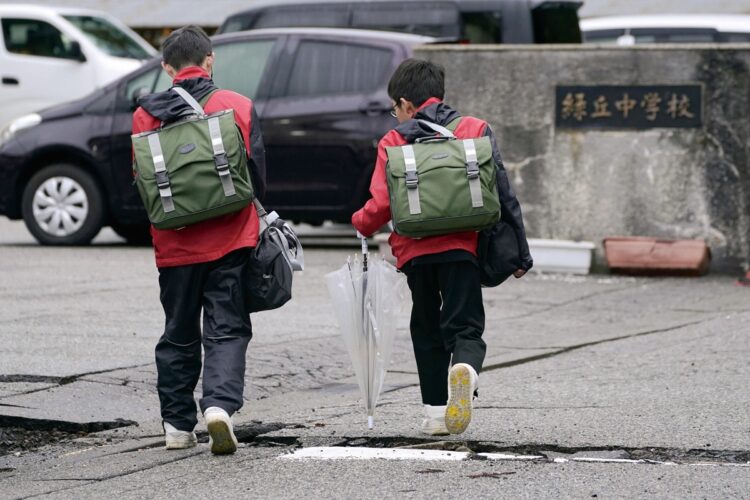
[187,46]
[417,80]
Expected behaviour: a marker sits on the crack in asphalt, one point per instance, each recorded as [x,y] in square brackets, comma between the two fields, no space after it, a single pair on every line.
[114,476]
[59,381]
[568,302]
[529,359]
[41,424]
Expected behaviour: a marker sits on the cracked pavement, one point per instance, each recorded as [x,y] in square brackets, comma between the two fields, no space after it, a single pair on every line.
[618,386]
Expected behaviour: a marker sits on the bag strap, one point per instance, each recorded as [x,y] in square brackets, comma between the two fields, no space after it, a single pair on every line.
[438,128]
[185,95]
[411,179]
[472,173]
[281,232]
[221,160]
[452,126]
[261,211]
[160,173]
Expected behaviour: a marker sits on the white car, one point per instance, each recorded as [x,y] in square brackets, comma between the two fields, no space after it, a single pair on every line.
[667,28]
[51,55]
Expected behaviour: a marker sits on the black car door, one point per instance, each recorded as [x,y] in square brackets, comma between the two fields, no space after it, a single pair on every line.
[244,65]
[327,109]
[127,206]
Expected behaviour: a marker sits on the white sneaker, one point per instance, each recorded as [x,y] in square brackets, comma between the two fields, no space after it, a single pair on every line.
[462,382]
[221,435]
[176,439]
[434,422]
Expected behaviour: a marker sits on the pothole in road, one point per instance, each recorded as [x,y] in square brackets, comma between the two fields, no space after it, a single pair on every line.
[19,434]
[483,450]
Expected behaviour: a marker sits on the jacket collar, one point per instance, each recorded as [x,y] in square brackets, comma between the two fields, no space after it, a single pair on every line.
[190,72]
[168,106]
[432,110]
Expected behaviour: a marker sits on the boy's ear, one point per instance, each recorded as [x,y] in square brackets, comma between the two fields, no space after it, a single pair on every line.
[408,107]
[169,69]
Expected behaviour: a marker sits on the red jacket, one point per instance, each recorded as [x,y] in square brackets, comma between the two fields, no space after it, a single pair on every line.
[211,239]
[377,210]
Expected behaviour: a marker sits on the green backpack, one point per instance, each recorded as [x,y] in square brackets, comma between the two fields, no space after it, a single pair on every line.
[193,169]
[441,185]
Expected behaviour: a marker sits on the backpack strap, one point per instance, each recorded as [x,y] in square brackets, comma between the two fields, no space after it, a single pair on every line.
[472,173]
[220,156]
[185,95]
[438,128]
[412,181]
[217,143]
[452,126]
[160,173]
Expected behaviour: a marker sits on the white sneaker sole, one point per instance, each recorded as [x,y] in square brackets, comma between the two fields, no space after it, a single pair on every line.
[181,443]
[435,431]
[222,439]
[458,410]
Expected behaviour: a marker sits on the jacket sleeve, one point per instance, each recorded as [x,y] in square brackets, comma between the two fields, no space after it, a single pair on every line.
[509,206]
[377,210]
[257,155]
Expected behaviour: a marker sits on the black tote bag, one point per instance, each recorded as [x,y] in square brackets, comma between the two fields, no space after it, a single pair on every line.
[498,255]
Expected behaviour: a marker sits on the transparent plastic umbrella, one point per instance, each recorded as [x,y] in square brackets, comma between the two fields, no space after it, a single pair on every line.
[368,298]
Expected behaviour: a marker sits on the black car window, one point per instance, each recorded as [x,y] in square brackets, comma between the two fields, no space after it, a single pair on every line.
[309,15]
[482,27]
[36,38]
[239,22]
[422,18]
[326,68]
[239,66]
[556,22]
[143,81]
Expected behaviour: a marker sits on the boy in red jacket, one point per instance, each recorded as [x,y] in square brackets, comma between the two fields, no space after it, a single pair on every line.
[447,318]
[201,266]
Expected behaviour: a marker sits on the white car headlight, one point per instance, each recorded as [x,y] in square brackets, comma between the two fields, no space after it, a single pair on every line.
[20,123]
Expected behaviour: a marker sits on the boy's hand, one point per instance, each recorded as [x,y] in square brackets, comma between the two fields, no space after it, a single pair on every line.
[518,273]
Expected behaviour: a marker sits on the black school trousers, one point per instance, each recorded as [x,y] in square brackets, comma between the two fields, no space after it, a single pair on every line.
[215,288]
[447,321]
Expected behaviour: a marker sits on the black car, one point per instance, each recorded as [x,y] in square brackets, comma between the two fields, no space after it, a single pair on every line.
[321,97]
[468,21]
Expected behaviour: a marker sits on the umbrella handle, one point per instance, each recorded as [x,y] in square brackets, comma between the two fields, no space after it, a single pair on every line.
[370,422]
[363,239]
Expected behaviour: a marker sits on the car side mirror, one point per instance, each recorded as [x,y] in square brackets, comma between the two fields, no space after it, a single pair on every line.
[139,92]
[76,53]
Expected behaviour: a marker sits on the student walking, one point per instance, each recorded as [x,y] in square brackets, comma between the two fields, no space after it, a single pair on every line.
[447,318]
[201,265]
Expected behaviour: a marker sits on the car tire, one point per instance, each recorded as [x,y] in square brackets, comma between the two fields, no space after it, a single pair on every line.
[134,234]
[63,205]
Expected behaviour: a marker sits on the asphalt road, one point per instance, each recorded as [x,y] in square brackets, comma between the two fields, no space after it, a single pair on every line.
[613,387]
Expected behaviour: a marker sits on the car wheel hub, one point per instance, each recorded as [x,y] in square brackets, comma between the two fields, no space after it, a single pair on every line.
[60,206]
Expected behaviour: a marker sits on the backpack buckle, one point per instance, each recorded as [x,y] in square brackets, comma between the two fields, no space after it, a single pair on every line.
[222,162]
[412,181]
[472,170]
[162,179]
